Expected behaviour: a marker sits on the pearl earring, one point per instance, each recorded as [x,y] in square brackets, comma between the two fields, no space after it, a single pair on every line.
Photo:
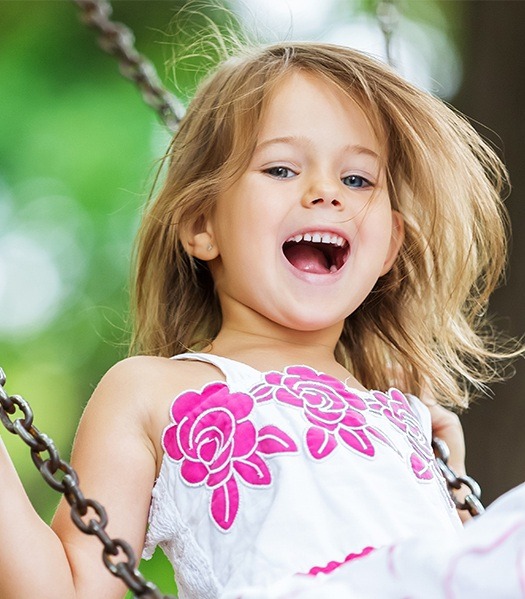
[210,247]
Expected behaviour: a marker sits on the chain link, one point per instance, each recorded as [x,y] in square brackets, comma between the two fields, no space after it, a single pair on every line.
[60,476]
[118,40]
[472,502]
[387,14]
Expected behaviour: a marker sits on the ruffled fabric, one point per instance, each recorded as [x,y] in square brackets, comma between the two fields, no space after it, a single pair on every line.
[487,561]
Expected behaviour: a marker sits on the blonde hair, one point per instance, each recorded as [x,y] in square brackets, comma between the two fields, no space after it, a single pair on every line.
[426,318]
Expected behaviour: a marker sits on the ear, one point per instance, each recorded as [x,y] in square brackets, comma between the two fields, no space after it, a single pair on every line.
[396,241]
[198,241]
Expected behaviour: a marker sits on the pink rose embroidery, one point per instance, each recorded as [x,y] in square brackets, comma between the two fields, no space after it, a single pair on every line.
[217,444]
[396,407]
[333,412]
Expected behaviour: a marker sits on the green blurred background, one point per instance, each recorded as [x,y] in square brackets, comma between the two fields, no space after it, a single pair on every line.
[79,149]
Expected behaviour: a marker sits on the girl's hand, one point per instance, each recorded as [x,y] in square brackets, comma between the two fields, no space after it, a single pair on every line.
[447,426]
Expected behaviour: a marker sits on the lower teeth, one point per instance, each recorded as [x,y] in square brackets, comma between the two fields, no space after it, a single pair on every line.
[333,268]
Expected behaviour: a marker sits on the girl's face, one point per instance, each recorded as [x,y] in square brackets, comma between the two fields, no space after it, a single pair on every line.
[302,237]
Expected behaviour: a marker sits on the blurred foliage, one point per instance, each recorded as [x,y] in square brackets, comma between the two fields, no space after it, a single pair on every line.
[78,149]
[78,152]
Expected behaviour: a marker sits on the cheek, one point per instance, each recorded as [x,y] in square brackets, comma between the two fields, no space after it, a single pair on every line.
[375,227]
[373,245]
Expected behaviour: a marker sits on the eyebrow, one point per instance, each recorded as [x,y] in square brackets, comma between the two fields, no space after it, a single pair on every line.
[295,140]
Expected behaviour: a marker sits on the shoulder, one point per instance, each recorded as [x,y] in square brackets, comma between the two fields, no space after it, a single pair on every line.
[147,374]
[143,386]
[139,392]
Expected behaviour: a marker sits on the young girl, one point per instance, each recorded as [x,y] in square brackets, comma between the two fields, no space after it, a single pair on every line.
[325,230]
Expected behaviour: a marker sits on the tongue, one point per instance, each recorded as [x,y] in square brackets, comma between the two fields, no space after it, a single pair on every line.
[307,258]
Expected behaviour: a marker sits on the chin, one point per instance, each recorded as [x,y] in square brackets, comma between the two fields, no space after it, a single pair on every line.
[310,323]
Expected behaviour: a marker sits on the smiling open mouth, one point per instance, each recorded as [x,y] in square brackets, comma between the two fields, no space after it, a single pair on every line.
[316,252]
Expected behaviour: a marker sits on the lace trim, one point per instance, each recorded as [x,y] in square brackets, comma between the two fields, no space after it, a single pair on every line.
[195,578]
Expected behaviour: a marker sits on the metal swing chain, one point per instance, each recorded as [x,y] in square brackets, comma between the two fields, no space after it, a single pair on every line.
[60,476]
[387,14]
[118,40]
[472,501]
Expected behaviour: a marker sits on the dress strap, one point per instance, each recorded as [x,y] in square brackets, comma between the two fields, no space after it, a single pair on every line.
[237,374]
[423,413]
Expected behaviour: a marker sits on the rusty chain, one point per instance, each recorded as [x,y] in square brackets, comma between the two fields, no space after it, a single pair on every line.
[118,40]
[60,476]
[472,501]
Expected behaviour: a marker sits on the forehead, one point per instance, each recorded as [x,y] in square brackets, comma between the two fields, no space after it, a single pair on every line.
[311,106]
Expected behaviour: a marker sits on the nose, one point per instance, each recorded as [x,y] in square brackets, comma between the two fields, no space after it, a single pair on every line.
[323,194]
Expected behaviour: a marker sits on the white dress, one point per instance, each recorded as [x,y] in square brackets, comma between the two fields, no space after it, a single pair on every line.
[277,484]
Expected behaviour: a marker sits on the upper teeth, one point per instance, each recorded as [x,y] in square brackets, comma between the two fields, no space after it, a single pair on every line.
[318,237]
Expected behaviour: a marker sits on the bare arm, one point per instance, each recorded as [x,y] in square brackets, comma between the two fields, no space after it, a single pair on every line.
[116,462]
[30,552]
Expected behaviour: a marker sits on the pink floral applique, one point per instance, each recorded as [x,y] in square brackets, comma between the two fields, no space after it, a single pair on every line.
[333,412]
[395,406]
[217,445]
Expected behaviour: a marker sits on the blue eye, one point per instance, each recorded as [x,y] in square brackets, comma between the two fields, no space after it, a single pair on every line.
[280,172]
[357,182]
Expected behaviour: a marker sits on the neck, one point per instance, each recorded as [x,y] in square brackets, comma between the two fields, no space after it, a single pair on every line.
[270,346]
